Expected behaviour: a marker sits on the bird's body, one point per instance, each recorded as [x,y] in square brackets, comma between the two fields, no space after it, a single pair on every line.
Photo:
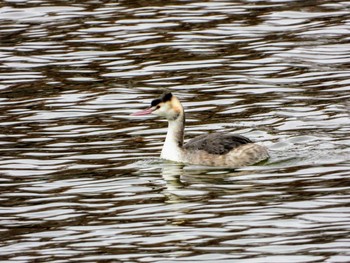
[214,149]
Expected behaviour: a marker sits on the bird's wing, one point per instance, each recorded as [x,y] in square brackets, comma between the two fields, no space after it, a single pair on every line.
[216,143]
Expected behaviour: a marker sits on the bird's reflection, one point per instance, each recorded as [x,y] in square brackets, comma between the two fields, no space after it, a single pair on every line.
[182,183]
[172,173]
[179,181]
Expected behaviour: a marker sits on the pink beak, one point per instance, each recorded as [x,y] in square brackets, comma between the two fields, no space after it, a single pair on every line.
[142,112]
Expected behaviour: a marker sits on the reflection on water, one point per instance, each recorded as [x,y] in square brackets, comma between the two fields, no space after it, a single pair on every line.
[81,180]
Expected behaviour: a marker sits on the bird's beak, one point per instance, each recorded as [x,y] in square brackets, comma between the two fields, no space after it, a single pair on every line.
[143,112]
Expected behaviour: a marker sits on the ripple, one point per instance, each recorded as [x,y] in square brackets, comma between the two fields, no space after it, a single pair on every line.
[82,181]
[37,14]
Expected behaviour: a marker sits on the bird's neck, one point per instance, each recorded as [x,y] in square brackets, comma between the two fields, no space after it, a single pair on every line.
[172,148]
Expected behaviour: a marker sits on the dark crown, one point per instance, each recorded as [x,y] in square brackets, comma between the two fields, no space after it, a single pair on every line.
[164,98]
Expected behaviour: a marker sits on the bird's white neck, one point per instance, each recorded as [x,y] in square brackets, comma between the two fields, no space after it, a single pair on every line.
[172,148]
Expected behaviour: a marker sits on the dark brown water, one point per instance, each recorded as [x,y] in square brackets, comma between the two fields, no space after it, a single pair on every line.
[81,180]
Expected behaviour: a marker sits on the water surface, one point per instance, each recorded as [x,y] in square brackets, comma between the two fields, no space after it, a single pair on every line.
[81,180]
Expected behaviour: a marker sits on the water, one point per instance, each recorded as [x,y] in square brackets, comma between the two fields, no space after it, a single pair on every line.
[81,180]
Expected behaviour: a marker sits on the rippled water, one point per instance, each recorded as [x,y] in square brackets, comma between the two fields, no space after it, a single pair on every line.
[81,180]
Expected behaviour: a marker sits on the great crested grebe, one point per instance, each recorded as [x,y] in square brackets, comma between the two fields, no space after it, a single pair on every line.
[214,149]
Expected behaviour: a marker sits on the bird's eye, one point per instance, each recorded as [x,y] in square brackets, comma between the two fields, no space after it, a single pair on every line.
[157,107]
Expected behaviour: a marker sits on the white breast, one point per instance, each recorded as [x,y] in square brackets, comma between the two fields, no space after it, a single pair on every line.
[171,149]
[171,152]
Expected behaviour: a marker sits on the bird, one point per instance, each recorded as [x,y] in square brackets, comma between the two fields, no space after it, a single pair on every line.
[213,149]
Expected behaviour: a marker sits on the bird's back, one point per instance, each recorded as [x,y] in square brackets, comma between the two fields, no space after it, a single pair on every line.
[222,149]
[216,143]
